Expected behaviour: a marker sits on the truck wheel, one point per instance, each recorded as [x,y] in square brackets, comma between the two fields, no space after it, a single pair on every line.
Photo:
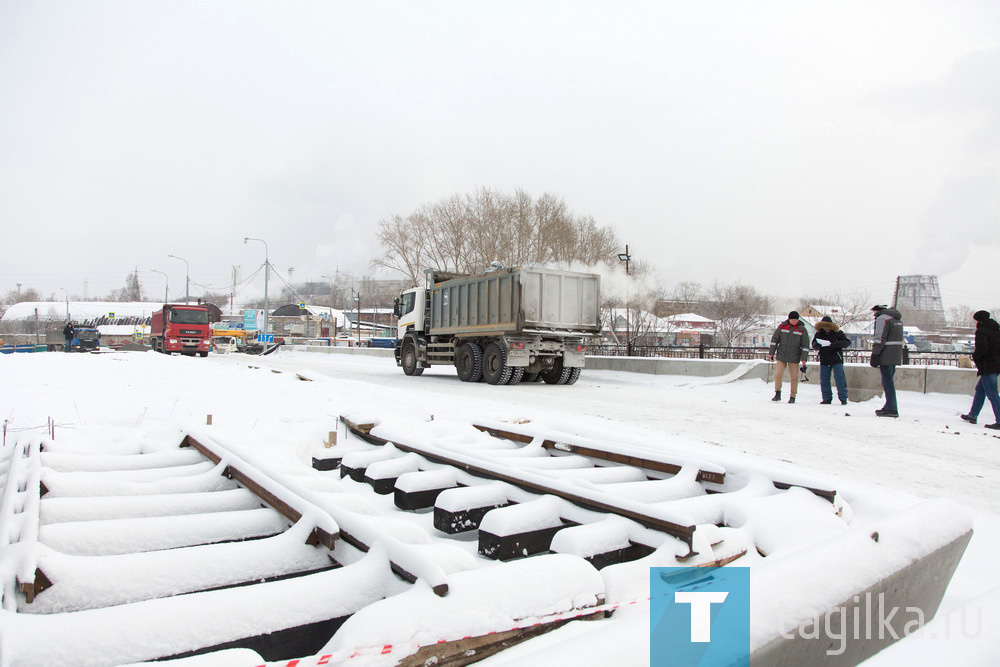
[516,373]
[531,377]
[495,368]
[409,357]
[574,375]
[203,354]
[554,374]
[469,362]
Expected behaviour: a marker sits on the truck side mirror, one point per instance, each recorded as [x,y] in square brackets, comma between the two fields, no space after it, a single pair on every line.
[395,307]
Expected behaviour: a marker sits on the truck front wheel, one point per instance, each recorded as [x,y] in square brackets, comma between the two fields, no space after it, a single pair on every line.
[469,362]
[409,357]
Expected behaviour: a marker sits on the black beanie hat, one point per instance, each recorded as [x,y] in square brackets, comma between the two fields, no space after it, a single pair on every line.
[826,318]
[794,315]
[981,316]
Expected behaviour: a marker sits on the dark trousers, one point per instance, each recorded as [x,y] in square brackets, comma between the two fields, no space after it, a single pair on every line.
[824,382]
[889,387]
[69,345]
[986,388]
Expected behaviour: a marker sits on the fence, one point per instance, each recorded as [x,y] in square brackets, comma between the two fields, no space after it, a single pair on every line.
[910,358]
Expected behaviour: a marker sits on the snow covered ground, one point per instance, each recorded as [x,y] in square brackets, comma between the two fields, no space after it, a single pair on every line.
[878,464]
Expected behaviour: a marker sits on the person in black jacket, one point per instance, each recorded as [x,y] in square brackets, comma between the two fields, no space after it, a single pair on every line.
[831,341]
[69,333]
[986,356]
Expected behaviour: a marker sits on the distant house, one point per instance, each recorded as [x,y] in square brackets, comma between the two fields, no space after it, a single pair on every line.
[308,321]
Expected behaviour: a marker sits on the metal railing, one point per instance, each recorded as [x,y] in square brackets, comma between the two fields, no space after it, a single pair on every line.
[859,356]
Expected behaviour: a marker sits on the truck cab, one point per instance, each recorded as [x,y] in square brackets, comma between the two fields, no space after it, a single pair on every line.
[181,328]
[409,308]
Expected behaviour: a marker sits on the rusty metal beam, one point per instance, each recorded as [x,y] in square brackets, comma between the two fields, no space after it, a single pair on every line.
[684,533]
[613,457]
[34,588]
[319,535]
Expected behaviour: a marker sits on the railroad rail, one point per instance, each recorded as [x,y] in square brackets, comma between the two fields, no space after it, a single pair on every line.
[124,549]
[209,543]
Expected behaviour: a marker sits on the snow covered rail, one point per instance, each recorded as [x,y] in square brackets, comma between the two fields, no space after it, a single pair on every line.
[533,492]
[291,507]
[19,469]
[522,485]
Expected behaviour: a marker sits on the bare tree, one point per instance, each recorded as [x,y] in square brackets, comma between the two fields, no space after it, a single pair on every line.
[18,295]
[132,291]
[960,316]
[465,233]
[736,309]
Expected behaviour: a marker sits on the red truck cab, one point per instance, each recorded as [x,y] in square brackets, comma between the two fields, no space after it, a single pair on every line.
[181,328]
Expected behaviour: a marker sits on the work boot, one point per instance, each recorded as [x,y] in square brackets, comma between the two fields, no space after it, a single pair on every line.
[777,396]
[827,401]
[886,413]
[995,427]
[969,418]
[843,401]
[791,399]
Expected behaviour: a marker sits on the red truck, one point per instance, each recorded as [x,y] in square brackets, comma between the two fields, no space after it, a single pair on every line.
[181,328]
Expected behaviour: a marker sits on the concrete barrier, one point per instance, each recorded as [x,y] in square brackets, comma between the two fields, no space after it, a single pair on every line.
[863,381]
[352,351]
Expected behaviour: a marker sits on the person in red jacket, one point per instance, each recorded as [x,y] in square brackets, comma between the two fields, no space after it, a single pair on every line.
[790,344]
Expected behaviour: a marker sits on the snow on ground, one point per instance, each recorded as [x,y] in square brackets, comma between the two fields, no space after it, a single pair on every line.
[880,465]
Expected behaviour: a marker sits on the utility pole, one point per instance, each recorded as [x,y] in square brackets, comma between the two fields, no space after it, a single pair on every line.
[232,295]
[267,267]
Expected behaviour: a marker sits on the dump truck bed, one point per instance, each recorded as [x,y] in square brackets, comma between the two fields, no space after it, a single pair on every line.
[519,300]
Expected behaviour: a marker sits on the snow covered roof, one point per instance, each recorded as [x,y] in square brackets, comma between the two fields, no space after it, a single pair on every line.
[689,317]
[79,310]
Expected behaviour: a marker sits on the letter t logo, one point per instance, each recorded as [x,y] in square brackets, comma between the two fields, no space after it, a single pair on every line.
[701,612]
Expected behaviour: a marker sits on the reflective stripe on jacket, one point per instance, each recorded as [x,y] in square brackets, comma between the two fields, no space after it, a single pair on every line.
[790,344]
[887,343]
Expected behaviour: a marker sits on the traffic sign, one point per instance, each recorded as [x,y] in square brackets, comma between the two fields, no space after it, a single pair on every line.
[265,338]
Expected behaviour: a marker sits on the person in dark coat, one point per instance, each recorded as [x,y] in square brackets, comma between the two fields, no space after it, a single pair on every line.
[986,356]
[790,344]
[887,353]
[831,342]
[69,333]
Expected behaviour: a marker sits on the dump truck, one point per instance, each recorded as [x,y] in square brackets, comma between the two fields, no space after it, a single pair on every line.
[88,339]
[504,326]
[181,328]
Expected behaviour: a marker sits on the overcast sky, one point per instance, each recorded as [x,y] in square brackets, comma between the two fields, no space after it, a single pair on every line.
[801,147]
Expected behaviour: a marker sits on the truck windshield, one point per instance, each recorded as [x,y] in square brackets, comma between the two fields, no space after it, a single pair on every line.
[189,316]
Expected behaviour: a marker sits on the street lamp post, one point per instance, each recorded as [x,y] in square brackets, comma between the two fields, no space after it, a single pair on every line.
[187,278]
[333,321]
[166,285]
[626,257]
[267,267]
[67,302]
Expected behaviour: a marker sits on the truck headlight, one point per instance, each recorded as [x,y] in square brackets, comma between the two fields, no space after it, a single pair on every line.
[173,341]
